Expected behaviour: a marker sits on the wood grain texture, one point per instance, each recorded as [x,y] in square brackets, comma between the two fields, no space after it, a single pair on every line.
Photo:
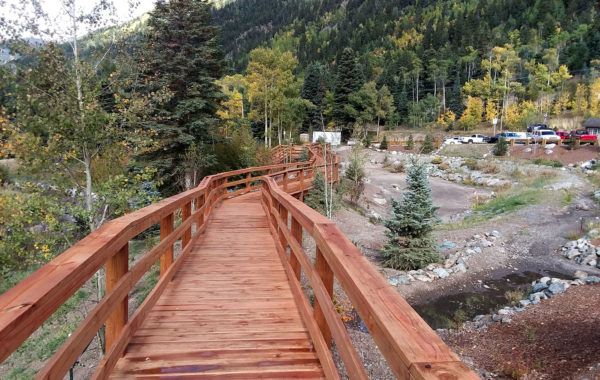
[116,268]
[228,311]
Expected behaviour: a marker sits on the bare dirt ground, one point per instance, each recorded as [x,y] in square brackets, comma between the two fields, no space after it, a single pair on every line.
[559,153]
[556,339]
[528,244]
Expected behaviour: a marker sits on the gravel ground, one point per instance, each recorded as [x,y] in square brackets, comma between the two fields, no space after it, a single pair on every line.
[530,239]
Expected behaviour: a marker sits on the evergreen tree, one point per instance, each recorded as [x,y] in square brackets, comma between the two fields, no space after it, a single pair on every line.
[410,242]
[411,142]
[314,90]
[349,80]
[427,145]
[501,147]
[384,144]
[181,60]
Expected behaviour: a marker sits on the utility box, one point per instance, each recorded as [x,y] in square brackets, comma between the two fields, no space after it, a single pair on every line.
[333,138]
[304,138]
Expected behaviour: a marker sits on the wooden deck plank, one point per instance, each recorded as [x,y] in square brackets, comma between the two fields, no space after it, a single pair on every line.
[229,311]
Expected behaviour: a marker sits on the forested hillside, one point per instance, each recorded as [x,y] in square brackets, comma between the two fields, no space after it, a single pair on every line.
[434,47]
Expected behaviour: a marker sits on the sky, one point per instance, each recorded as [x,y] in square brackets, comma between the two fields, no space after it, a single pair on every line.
[15,12]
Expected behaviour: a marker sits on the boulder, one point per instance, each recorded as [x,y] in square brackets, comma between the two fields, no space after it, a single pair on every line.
[593,263]
[592,280]
[539,287]
[441,272]
[579,274]
[572,253]
[459,268]
[486,244]
[506,319]
[477,250]
[380,201]
[495,234]
[527,150]
[399,280]
[447,244]
[549,151]
[557,288]
[545,279]
[524,302]
[423,278]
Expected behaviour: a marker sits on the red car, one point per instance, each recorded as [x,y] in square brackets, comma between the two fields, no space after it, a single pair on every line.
[563,135]
[583,135]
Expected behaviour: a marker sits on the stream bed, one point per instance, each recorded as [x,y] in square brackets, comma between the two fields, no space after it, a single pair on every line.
[452,310]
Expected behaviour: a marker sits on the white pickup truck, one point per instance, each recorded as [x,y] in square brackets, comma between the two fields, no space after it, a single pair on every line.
[473,139]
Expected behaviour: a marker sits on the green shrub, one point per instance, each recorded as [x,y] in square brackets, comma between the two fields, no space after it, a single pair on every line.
[436,160]
[384,144]
[367,141]
[5,176]
[410,145]
[427,145]
[501,147]
[545,162]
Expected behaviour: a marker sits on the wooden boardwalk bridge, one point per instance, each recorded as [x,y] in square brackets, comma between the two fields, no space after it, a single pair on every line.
[232,303]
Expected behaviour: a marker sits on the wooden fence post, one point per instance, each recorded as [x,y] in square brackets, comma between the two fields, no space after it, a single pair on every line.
[543,143]
[166,227]
[224,187]
[512,142]
[297,234]
[283,213]
[116,267]
[248,184]
[285,181]
[186,212]
[326,276]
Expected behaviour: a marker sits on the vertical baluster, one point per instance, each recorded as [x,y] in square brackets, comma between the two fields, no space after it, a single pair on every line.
[326,275]
[166,227]
[225,186]
[186,212]
[297,234]
[302,184]
[116,267]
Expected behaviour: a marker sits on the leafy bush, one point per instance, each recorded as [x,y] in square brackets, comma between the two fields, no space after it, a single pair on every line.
[384,144]
[5,176]
[315,198]
[436,160]
[443,166]
[501,147]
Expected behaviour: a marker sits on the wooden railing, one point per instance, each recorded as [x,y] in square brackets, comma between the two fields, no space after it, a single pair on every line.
[289,153]
[412,349]
[30,303]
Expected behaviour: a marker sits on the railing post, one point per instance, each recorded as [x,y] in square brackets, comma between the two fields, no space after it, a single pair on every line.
[301,176]
[224,186]
[336,171]
[543,143]
[297,234]
[512,142]
[186,212]
[116,267]
[248,184]
[166,227]
[326,276]
[285,181]
[283,214]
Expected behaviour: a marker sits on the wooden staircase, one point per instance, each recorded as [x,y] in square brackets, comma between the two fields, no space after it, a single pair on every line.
[230,305]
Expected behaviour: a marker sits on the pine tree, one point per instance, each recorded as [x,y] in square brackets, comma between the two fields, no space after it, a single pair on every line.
[349,80]
[410,242]
[384,144]
[314,90]
[181,60]
[411,142]
[427,145]
[501,147]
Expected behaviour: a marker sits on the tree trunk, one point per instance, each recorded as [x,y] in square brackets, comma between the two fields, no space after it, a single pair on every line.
[444,97]
[266,118]
[377,126]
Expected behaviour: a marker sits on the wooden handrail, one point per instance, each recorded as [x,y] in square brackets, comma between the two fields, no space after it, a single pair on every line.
[412,349]
[30,303]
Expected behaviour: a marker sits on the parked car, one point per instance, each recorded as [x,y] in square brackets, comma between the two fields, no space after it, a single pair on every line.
[563,135]
[545,134]
[453,140]
[583,135]
[505,136]
[473,139]
[535,127]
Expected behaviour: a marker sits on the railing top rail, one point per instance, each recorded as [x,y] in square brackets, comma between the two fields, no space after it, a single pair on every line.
[27,305]
[397,329]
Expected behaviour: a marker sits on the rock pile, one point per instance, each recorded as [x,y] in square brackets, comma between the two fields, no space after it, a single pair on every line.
[542,289]
[582,251]
[453,263]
